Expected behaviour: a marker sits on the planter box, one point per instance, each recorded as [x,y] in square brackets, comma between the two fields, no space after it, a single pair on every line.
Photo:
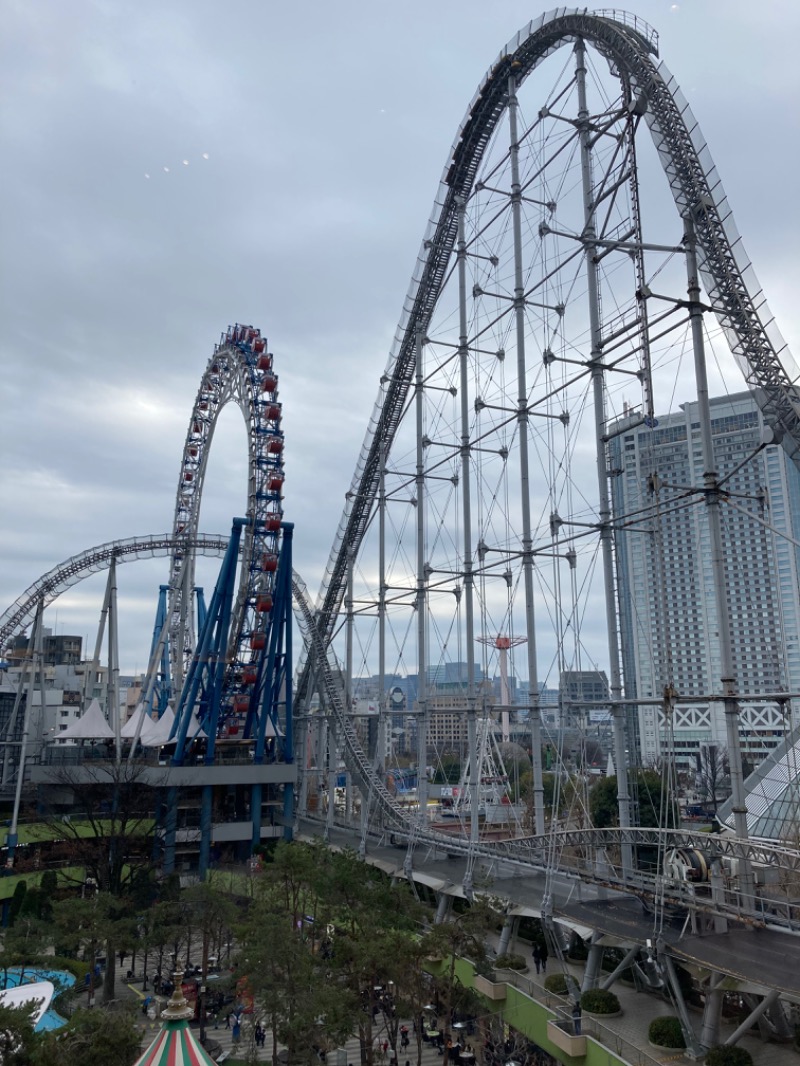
[565,1041]
[601,1017]
[489,988]
[663,1047]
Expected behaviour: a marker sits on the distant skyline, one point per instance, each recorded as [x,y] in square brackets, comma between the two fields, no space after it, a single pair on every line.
[175,168]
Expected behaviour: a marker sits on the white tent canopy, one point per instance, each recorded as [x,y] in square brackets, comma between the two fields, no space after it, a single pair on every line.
[162,729]
[160,732]
[128,731]
[92,725]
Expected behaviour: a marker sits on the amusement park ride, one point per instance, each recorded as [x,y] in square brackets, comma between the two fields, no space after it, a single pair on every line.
[553,285]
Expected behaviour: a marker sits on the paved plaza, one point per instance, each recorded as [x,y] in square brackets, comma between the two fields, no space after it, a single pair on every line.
[625,1035]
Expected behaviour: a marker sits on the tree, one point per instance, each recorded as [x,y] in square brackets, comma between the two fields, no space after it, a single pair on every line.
[28,937]
[651,798]
[713,773]
[109,837]
[465,935]
[282,959]
[85,926]
[91,1038]
[110,826]
[212,914]
[17,1038]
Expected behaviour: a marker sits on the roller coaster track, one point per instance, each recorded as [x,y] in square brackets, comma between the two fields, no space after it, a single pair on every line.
[630,46]
[50,585]
[578,847]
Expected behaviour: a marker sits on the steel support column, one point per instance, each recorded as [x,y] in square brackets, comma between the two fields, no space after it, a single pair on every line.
[712,497]
[466,518]
[604,504]
[534,712]
[204,860]
[422,596]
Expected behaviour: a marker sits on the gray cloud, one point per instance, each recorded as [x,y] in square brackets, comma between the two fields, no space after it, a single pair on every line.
[326,129]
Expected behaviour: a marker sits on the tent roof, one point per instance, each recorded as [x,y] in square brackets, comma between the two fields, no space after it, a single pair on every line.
[129,729]
[176,1044]
[159,734]
[92,725]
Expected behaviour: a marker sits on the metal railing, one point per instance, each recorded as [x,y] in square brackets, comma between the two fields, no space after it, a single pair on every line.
[590,1026]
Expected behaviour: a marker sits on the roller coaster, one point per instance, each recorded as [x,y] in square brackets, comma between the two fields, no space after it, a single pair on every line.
[554,283]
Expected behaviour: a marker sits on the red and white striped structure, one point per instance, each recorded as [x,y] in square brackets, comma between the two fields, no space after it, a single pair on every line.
[176,1044]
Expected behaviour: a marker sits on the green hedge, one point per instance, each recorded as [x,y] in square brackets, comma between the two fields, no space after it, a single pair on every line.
[556,983]
[510,962]
[597,1001]
[666,1032]
[729,1056]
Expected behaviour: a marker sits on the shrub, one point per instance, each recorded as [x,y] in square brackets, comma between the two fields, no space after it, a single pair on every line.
[598,1001]
[666,1032]
[510,962]
[556,983]
[729,1056]
[577,949]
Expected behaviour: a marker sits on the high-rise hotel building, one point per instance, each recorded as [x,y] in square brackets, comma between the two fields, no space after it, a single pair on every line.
[668,618]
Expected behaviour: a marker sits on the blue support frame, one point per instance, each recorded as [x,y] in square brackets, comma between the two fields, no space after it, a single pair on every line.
[204,679]
[270,731]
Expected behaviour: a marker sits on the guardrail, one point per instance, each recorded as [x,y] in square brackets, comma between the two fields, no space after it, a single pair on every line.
[590,1026]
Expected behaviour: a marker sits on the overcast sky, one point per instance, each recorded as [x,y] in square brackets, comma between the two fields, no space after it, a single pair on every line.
[171,167]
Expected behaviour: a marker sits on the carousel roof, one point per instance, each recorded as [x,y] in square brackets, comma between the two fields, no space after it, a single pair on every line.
[176,1044]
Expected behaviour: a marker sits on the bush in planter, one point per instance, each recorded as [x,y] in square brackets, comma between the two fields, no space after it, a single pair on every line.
[729,1056]
[598,1001]
[577,949]
[556,983]
[666,1032]
[510,962]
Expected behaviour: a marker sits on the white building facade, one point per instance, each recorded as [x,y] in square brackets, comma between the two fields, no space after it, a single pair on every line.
[668,623]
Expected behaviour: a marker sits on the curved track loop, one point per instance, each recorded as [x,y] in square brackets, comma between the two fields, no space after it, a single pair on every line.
[740,306]
[241,371]
[630,48]
[50,585]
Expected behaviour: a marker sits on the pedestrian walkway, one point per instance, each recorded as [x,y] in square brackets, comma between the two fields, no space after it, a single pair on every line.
[625,1035]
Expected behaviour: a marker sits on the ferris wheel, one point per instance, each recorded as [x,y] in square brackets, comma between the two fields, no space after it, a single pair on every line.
[241,370]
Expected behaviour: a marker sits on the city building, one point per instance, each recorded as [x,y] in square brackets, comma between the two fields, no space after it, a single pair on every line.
[669,631]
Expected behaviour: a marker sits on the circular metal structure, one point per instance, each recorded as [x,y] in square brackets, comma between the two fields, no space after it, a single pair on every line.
[240,371]
[548,301]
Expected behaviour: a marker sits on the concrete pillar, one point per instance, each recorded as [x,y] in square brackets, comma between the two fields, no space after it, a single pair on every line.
[594,962]
[443,907]
[777,1015]
[509,931]
[712,1014]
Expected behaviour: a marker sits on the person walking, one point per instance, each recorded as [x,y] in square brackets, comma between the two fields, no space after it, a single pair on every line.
[576,1018]
[543,956]
[537,957]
